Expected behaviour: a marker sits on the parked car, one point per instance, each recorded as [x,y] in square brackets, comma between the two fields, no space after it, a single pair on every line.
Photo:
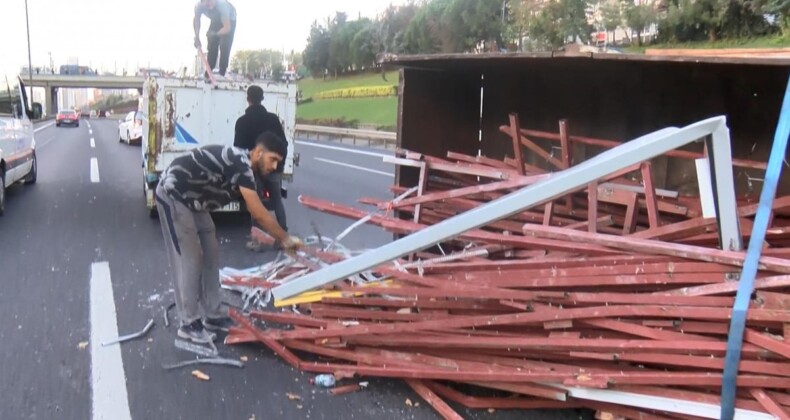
[17,145]
[67,117]
[103,113]
[130,129]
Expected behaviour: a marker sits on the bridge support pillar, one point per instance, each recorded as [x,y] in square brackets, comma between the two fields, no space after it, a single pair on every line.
[51,99]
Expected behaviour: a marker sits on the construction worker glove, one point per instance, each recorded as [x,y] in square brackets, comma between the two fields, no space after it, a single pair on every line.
[292,244]
[197,42]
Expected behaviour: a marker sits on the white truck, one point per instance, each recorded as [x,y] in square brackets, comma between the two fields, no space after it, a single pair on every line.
[17,143]
[184,114]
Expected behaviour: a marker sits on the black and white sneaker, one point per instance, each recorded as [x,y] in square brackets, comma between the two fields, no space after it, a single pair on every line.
[218,324]
[196,333]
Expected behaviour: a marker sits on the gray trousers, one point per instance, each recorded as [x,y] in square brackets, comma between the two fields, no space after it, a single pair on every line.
[193,251]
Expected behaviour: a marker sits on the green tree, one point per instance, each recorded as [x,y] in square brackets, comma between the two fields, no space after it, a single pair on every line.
[574,23]
[316,54]
[639,17]
[365,45]
[341,56]
[277,71]
[390,32]
[742,18]
[560,21]
[522,15]
[454,25]
[612,17]
[472,21]
[426,32]
[254,62]
[545,28]
[682,23]
[780,9]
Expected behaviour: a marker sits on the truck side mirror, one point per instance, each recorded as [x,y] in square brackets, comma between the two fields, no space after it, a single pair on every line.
[38,111]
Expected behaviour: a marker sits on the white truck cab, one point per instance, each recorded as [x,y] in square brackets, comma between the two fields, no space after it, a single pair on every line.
[17,144]
[182,115]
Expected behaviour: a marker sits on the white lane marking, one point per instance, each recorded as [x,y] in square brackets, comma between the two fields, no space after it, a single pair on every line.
[93,143]
[47,125]
[344,149]
[110,399]
[95,170]
[90,131]
[359,168]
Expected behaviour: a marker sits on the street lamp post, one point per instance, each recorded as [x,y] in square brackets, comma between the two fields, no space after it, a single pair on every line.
[29,56]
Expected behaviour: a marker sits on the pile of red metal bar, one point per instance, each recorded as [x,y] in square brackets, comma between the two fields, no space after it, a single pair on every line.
[616,298]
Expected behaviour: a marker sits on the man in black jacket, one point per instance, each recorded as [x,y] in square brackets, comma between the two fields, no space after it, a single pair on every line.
[256,121]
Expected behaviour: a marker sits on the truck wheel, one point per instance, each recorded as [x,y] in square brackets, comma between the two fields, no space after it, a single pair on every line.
[2,193]
[32,176]
[152,212]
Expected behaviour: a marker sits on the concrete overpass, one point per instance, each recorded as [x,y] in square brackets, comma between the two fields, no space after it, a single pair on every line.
[52,82]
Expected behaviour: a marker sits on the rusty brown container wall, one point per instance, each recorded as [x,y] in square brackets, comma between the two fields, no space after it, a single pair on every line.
[439,111]
[617,97]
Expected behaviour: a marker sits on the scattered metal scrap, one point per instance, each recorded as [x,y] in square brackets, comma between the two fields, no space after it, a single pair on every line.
[597,289]
[129,337]
[197,349]
[211,361]
[166,312]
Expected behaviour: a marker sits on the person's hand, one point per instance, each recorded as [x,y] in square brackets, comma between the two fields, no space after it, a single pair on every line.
[292,244]
[197,42]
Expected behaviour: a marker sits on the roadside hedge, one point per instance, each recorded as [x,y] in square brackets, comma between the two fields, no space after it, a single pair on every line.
[359,92]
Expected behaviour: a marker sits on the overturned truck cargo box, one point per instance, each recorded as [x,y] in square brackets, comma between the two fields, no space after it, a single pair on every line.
[546,265]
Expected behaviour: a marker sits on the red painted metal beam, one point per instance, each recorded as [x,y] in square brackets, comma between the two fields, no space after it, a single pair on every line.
[434,400]
[770,404]
[700,362]
[743,163]
[719,314]
[654,247]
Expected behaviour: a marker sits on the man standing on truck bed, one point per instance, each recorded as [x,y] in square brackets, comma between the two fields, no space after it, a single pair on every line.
[256,121]
[207,179]
[220,32]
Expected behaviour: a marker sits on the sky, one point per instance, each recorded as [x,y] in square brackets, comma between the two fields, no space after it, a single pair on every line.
[113,34]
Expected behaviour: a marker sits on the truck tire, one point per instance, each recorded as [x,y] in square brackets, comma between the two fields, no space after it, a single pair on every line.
[2,192]
[32,176]
[153,213]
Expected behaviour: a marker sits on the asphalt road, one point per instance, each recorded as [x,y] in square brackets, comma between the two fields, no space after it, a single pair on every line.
[55,237]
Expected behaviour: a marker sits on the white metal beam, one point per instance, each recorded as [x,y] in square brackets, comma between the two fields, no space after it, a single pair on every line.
[724,187]
[558,185]
[671,405]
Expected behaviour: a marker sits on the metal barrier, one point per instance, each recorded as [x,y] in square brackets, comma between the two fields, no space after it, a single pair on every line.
[384,139]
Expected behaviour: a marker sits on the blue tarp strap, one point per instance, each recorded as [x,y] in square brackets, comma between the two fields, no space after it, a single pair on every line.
[746,284]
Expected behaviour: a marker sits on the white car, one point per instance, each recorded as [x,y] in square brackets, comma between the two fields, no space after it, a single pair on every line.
[17,145]
[130,129]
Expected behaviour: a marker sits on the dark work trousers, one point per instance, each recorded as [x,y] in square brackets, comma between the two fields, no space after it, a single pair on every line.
[193,251]
[272,183]
[220,45]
